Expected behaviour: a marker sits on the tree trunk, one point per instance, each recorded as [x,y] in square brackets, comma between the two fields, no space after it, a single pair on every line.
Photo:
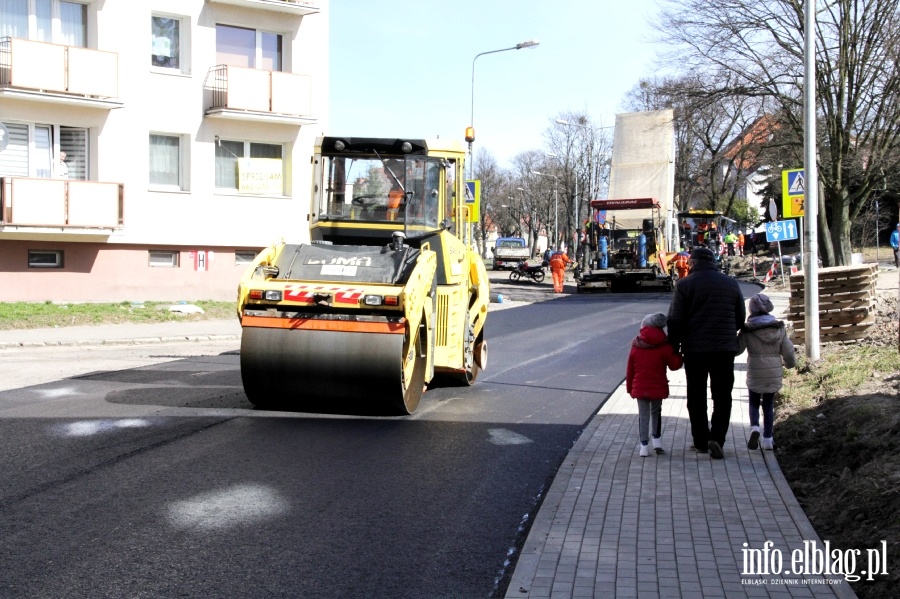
[840,230]
[825,250]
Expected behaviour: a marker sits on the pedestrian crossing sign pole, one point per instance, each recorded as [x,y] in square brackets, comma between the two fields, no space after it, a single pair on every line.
[793,193]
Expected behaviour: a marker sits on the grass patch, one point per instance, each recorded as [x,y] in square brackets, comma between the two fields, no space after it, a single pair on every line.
[842,370]
[28,315]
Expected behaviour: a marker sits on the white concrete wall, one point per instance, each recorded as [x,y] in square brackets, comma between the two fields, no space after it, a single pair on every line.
[174,104]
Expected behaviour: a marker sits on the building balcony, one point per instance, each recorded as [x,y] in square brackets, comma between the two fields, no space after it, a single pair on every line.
[60,205]
[295,7]
[61,74]
[257,95]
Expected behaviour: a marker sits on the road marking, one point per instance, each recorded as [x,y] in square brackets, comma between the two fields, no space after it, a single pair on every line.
[55,393]
[86,428]
[238,504]
[502,436]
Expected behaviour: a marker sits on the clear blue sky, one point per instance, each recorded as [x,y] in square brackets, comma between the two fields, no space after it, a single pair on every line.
[404,67]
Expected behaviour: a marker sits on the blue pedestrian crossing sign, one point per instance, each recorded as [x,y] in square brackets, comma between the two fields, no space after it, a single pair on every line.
[781,230]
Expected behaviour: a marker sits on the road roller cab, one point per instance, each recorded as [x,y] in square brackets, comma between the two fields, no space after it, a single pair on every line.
[388,295]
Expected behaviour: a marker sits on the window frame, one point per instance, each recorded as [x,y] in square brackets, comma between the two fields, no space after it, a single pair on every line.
[34,32]
[35,153]
[183,166]
[173,262]
[246,153]
[246,257]
[258,48]
[58,262]
[184,45]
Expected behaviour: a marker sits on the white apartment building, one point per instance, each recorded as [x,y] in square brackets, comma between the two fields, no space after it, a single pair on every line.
[187,128]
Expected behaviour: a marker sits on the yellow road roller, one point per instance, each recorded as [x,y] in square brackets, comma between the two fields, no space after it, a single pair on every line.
[388,295]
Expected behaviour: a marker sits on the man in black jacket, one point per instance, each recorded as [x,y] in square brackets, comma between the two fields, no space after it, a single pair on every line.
[706,312]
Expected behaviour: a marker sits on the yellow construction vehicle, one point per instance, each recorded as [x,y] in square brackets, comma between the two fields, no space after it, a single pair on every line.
[389,293]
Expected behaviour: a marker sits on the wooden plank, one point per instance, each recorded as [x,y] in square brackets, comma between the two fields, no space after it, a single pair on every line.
[836,338]
[837,273]
[833,306]
[850,284]
[798,299]
[833,335]
[843,318]
[862,325]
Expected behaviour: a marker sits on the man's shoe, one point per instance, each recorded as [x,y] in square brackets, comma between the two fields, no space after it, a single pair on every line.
[645,451]
[768,443]
[698,450]
[753,443]
[715,450]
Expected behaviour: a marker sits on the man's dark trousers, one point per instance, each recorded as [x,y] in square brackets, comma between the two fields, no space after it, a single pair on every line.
[719,368]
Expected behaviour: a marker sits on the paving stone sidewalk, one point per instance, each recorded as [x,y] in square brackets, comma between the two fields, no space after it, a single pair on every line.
[616,525]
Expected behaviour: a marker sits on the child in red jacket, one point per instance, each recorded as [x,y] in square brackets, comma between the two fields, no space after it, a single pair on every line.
[646,380]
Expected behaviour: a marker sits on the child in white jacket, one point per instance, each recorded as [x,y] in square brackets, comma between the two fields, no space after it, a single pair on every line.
[768,348]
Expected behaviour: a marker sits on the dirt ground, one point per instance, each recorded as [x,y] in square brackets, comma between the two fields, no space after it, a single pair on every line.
[842,455]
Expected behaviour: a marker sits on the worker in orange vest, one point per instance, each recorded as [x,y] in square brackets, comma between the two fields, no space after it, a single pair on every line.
[558,263]
[682,263]
[740,243]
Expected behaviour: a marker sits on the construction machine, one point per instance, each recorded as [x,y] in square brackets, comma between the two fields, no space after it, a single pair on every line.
[704,228]
[625,258]
[388,295]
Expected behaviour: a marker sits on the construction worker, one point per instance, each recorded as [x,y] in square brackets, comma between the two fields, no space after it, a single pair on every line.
[730,240]
[558,263]
[740,243]
[682,263]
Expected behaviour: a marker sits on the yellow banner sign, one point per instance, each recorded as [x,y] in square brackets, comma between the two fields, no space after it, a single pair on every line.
[260,176]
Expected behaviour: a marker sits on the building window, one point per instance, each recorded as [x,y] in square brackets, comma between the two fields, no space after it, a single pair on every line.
[164,259]
[33,149]
[45,258]
[169,42]
[242,47]
[229,158]
[53,21]
[74,142]
[244,258]
[166,161]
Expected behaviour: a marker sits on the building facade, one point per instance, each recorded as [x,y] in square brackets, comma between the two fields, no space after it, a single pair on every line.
[150,148]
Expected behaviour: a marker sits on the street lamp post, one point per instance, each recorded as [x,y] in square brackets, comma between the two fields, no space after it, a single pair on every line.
[555,206]
[590,192]
[574,200]
[470,131]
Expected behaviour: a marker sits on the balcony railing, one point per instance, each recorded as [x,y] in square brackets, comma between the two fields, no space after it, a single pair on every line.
[64,71]
[254,94]
[31,202]
[297,7]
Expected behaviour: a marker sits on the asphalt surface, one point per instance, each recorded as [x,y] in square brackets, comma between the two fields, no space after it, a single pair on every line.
[161,480]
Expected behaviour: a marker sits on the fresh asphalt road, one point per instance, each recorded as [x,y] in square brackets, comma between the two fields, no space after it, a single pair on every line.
[163,481]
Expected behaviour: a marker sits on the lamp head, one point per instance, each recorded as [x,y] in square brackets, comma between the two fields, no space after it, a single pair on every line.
[527,44]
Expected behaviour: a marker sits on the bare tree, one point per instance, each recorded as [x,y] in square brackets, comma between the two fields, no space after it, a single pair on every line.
[760,43]
[579,156]
[492,191]
[719,140]
[535,209]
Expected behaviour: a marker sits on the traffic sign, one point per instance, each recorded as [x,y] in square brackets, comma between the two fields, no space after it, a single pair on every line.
[793,192]
[781,230]
[473,199]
